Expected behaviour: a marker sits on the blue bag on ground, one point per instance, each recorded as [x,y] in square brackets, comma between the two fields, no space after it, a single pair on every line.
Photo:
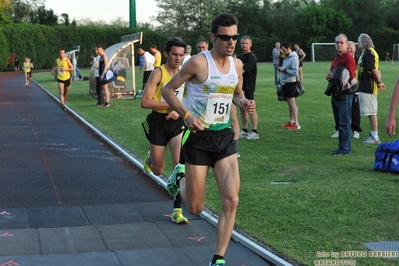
[387,157]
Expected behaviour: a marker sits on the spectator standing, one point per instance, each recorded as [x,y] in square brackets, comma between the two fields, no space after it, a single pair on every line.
[355,124]
[141,64]
[369,78]
[103,68]
[157,56]
[99,91]
[148,64]
[288,77]
[276,60]
[301,54]
[62,71]
[342,103]
[164,126]
[187,54]
[16,64]
[248,59]
[213,78]
[77,70]
[202,45]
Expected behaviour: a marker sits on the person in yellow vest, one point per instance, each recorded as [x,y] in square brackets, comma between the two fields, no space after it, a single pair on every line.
[163,125]
[62,71]
[27,67]
[369,78]
[157,56]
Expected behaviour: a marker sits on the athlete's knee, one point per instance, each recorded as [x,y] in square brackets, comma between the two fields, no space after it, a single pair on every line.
[195,208]
[230,202]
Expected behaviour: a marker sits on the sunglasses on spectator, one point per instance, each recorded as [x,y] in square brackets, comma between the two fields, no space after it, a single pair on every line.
[226,38]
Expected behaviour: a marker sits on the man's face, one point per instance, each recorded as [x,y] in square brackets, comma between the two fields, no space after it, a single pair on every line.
[351,48]
[278,45]
[202,46]
[340,44]
[62,53]
[246,45]
[285,51]
[223,40]
[175,56]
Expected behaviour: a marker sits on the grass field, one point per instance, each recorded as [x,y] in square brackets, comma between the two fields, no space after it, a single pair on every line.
[295,197]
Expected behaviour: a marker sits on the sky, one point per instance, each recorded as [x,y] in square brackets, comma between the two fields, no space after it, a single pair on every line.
[103,9]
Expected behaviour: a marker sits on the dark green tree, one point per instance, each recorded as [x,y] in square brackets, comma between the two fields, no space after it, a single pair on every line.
[46,17]
[189,19]
[65,19]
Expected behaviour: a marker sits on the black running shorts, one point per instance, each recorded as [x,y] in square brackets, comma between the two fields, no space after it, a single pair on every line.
[160,131]
[208,146]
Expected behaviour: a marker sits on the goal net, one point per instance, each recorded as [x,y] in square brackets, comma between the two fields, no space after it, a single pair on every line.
[394,56]
[323,51]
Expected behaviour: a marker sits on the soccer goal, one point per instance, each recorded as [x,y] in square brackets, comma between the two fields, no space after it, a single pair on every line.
[395,53]
[323,51]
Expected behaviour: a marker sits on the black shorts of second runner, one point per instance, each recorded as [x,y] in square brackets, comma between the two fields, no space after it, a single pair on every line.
[289,89]
[249,95]
[208,146]
[66,83]
[160,131]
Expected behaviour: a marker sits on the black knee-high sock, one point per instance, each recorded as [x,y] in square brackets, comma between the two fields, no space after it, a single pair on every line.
[177,201]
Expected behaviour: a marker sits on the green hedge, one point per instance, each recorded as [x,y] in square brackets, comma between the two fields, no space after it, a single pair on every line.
[42,43]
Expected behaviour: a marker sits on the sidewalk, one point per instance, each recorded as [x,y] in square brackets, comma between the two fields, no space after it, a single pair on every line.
[69,198]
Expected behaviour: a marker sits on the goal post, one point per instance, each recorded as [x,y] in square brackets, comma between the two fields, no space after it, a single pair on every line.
[322,53]
[395,53]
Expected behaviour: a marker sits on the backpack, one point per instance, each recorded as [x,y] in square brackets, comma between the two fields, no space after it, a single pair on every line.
[387,157]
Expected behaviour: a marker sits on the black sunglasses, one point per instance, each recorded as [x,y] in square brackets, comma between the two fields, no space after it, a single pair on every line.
[226,38]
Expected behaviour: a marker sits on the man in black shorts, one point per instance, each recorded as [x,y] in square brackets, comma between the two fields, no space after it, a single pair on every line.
[164,126]
[248,59]
[213,82]
[148,64]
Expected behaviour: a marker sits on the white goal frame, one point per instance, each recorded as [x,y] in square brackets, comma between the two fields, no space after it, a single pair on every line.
[395,51]
[319,43]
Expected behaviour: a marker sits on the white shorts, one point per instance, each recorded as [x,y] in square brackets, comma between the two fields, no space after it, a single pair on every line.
[368,104]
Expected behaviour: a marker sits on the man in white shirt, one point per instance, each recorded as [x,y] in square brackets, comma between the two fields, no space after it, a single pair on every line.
[149,61]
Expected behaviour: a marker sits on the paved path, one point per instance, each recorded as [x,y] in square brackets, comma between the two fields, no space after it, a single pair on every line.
[68,198]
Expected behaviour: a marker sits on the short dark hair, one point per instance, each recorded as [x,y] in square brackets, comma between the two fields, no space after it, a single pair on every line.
[201,40]
[224,20]
[100,46]
[154,46]
[174,41]
[286,45]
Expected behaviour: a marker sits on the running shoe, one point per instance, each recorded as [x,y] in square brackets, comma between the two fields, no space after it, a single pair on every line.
[286,125]
[253,135]
[356,134]
[372,140]
[173,180]
[177,216]
[63,108]
[218,263]
[106,105]
[294,127]
[243,134]
[147,163]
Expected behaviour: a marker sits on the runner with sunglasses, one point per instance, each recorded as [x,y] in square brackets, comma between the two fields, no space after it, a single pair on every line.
[213,82]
